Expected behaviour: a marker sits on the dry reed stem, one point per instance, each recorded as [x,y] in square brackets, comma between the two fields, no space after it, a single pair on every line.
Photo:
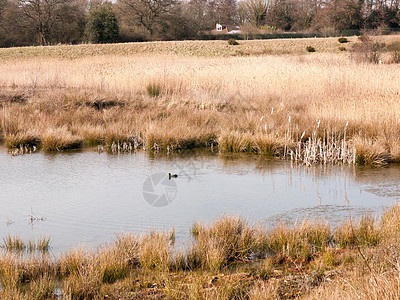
[303,260]
[241,103]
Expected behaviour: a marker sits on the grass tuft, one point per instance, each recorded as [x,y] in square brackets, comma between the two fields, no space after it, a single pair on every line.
[13,243]
[228,259]
[153,89]
[302,240]
[60,139]
[222,242]
[155,252]
[310,49]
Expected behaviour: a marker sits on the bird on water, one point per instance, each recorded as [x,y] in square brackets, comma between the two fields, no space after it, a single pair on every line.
[172,175]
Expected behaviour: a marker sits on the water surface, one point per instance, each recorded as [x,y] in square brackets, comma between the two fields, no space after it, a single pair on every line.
[87,198]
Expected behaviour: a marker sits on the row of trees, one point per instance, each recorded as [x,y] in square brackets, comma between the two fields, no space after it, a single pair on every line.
[28,22]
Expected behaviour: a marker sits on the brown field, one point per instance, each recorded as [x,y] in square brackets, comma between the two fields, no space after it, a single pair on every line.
[228,259]
[269,97]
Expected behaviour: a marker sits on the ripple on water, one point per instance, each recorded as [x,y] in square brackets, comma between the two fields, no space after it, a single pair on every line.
[87,198]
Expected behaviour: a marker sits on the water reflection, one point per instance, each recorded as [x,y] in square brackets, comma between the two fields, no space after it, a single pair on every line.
[87,198]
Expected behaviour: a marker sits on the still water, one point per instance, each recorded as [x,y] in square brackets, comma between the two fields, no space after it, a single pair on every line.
[86,198]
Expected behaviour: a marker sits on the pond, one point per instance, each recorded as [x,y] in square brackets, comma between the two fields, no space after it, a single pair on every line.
[86,198]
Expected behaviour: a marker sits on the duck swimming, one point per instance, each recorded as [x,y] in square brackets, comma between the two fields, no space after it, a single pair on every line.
[172,176]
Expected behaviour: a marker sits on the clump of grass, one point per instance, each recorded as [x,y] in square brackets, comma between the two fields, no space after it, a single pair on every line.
[235,142]
[370,151]
[127,249]
[341,48]
[113,273]
[59,139]
[84,284]
[16,140]
[300,240]
[329,257]
[155,252]
[83,273]
[116,261]
[233,287]
[233,42]
[226,240]
[93,135]
[394,50]
[16,271]
[42,288]
[112,267]
[310,49]
[114,135]
[365,232]
[43,244]
[343,40]
[14,243]
[268,144]
[73,261]
[153,89]
[9,273]
[390,222]
[262,290]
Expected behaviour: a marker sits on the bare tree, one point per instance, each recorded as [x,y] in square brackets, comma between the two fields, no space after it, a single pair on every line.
[201,15]
[13,26]
[346,14]
[42,15]
[3,4]
[151,15]
[253,11]
[224,11]
[282,14]
[70,21]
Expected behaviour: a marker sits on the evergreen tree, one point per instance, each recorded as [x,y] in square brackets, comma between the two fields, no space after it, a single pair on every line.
[102,25]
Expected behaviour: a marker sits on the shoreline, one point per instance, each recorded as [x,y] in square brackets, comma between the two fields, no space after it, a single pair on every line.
[321,107]
[227,258]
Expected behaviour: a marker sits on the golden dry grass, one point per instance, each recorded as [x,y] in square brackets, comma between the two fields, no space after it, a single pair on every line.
[186,48]
[311,260]
[260,103]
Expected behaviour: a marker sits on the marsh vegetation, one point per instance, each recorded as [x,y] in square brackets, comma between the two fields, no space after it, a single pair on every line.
[267,97]
[226,259]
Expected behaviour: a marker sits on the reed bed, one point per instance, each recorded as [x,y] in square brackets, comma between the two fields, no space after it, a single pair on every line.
[228,259]
[322,107]
[16,244]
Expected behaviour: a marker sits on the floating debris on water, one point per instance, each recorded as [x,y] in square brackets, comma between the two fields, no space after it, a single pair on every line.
[23,149]
[33,219]
[9,222]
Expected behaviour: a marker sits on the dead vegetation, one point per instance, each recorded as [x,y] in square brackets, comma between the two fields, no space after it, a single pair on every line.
[228,259]
[313,108]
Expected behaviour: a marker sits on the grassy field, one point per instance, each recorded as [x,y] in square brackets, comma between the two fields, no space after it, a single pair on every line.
[269,97]
[228,259]
[181,48]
